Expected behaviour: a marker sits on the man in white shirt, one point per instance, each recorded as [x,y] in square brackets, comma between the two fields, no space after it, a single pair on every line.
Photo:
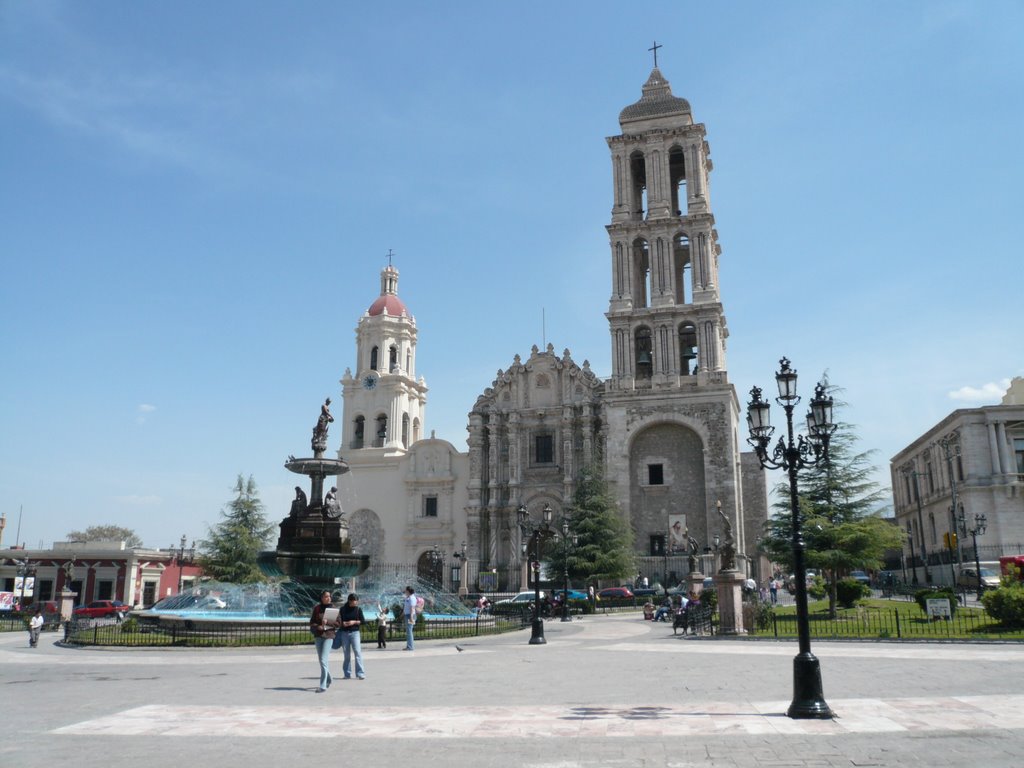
[35,626]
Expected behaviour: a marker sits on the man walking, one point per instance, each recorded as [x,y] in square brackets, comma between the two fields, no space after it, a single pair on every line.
[409,610]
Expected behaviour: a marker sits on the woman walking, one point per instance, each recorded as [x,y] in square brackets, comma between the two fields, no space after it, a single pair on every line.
[323,624]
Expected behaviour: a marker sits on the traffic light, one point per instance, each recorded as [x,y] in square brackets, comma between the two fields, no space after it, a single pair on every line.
[949,540]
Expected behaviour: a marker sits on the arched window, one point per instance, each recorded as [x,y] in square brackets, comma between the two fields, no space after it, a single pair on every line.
[357,440]
[382,431]
[683,268]
[644,353]
[392,359]
[638,180]
[373,359]
[931,528]
[677,175]
[405,430]
[415,430]
[688,349]
[641,274]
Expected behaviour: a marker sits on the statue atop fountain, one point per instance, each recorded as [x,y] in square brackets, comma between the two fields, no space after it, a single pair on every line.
[313,546]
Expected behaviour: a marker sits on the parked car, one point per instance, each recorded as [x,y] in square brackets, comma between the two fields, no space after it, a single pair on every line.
[646,592]
[967,578]
[615,592]
[522,597]
[99,609]
[574,594]
[860,576]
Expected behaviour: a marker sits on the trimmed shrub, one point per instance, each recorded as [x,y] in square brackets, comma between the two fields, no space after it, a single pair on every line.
[817,589]
[849,591]
[1005,604]
[923,595]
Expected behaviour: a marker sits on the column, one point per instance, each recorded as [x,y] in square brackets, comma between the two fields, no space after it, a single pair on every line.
[1004,449]
[993,446]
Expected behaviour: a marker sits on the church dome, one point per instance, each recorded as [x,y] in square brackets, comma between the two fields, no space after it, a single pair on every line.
[388,304]
[657,101]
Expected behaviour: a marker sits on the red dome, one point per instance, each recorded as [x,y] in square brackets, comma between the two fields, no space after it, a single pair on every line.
[390,304]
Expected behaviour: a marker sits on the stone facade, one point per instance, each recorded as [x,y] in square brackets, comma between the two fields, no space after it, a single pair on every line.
[978,454]
[663,427]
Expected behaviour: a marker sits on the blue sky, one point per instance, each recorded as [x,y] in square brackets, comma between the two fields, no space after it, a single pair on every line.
[197,200]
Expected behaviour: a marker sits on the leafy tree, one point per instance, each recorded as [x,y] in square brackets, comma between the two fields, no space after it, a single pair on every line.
[106,533]
[604,548]
[840,510]
[230,551]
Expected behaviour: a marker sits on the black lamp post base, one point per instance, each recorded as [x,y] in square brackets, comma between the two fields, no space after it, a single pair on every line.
[537,633]
[808,697]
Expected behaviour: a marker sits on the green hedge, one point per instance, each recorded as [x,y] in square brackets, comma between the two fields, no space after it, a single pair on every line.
[1005,604]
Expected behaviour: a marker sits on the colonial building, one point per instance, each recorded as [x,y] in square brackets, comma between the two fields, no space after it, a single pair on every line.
[970,463]
[663,427]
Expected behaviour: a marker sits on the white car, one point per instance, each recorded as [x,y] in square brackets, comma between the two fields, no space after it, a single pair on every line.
[522,597]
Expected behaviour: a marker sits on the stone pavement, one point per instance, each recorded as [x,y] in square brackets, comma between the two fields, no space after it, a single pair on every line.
[604,691]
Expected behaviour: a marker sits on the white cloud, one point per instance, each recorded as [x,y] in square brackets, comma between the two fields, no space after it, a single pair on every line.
[135,500]
[994,390]
[143,410]
[146,408]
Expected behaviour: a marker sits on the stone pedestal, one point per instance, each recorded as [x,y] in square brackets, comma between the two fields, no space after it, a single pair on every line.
[696,582]
[67,604]
[729,584]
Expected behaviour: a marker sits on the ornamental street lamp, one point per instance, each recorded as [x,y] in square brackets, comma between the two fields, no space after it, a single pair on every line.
[980,523]
[793,453]
[184,556]
[460,572]
[568,542]
[26,570]
[535,532]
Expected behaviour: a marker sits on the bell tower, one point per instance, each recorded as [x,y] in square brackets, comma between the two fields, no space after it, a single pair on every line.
[665,313]
[671,415]
[385,405]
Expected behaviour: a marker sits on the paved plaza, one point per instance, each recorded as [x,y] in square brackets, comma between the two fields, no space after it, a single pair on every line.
[604,691]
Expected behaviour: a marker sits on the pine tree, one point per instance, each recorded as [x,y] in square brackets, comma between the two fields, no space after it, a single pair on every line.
[229,554]
[840,512]
[604,546]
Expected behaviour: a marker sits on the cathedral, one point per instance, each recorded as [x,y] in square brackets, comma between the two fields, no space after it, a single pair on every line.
[664,428]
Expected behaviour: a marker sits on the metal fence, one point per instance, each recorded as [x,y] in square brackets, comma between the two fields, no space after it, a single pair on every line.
[134,633]
[896,625]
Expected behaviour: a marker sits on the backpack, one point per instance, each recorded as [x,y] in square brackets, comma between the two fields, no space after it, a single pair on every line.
[419,605]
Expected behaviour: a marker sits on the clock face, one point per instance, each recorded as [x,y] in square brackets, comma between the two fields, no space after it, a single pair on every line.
[370,382]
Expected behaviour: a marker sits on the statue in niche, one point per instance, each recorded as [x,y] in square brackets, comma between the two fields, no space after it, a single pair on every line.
[728,542]
[320,430]
[332,507]
[299,503]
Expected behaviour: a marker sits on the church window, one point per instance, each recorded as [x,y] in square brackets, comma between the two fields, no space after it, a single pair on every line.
[683,269]
[382,431]
[960,465]
[357,439]
[430,506]
[655,474]
[644,353]
[931,527]
[392,359]
[638,178]
[687,349]
[1018,450]
[405,430]
[677,174]
[373,359]
[657,545]
[105,590]
[641,274]
[544,449]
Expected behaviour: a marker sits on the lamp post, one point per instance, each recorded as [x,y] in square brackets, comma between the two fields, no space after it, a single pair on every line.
[980,523]
[793,453]
[183,554]
[535,532]
[25,570]
[567,540]
[459,573]
[951,449]
[910,472]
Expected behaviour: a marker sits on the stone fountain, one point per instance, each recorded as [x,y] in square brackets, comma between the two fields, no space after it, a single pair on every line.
[313,547]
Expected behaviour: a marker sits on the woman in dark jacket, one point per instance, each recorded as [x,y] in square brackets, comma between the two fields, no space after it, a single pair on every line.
[323,633]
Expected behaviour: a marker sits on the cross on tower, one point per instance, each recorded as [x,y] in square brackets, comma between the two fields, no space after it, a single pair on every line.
[390,253]
[655,48]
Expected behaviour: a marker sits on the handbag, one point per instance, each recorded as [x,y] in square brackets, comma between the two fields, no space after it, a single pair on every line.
[336,642]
